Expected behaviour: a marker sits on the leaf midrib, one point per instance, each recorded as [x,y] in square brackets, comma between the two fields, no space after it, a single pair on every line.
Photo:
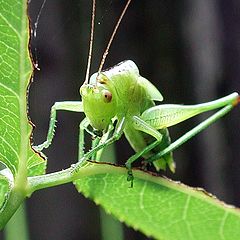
[21,176]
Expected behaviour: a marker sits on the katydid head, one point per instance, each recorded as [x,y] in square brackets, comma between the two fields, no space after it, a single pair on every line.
[99,101]
[98,95]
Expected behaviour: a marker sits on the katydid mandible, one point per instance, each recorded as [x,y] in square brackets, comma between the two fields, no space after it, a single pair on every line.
[120,101]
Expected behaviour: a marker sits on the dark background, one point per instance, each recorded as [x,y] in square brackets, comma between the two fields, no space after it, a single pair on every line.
[189,49]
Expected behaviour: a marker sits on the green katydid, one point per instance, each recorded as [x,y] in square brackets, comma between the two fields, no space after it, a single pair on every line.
[120,101]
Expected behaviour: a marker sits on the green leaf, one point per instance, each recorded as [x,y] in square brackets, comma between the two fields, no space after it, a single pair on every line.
[35,163]
[5,188]
[15,73]
[159,207]
[16,153]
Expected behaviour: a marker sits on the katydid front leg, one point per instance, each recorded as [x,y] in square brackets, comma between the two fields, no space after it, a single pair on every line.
[73,106]
[83,126]
[103,139]
[96,139]
[116,135]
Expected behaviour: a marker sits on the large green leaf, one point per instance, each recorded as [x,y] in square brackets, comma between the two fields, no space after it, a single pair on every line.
[160,207]
[15,73]
[16,154]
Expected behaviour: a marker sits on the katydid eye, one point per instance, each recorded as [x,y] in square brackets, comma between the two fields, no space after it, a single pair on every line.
[107,96]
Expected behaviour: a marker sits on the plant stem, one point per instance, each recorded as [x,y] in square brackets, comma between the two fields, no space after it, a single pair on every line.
[109,225]
[15,199]
[17,226]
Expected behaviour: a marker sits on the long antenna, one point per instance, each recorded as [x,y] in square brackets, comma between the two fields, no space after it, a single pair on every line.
[91,42]
[112,36]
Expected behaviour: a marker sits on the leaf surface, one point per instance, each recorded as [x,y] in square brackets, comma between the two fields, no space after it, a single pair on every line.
[15,74]
[159,207]
[5,189]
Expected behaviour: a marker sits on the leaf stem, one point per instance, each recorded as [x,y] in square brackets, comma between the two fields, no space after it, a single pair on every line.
[66,176]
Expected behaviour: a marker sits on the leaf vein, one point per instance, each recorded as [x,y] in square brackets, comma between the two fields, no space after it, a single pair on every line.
[10,25]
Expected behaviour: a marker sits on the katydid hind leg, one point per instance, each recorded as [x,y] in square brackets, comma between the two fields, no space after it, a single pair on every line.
[141,137]
[141,125]
[165,161]
[73,106]
[166,115]
[161,135]
[194,131]
[162,116]
[135,157]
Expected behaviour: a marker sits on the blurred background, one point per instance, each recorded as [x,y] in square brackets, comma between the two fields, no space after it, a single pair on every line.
[189,49]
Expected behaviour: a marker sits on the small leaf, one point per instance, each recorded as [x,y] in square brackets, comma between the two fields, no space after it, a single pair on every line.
[5,188]
[159,207]
[35,164]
